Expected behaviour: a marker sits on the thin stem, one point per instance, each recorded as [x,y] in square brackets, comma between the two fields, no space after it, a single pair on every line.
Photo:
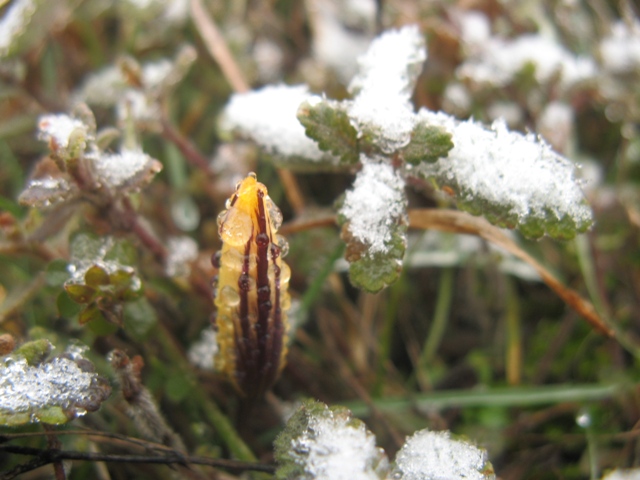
[514,337]
[440,317]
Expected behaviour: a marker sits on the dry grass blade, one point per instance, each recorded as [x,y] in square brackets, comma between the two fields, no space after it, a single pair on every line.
[217,46]
[460,222]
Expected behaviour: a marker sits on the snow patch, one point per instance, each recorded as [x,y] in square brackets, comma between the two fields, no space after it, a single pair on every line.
[375,204]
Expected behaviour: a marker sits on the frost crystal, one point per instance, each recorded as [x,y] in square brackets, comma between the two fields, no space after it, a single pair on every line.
[202,352]
[58,129]
[383,87]
[620,51]
[434,456]
[59,383]
[501,59]
[14,23]
[46,191]
[375,204]
[508,171]
[268,116]
[123,170]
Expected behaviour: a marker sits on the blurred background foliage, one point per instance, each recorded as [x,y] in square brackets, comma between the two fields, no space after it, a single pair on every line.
[464,341]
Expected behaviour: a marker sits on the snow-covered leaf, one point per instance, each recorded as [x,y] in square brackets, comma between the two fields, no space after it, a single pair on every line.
[67,136]
[268,116]
[47,191]
[381,111]
[52,392]
[435,456]
[127,171]
[373,225]
[513,180]
[322,443]
[326,121]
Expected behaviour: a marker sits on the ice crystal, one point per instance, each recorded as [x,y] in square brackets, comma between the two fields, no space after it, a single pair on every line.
[383,86]
[513,177]
[62,383]
[375,204]
[57,129]
[328,444]
[268,116]
[434,456]
[181,252]
[620,51]
[501,59]
[14,23]
[126,170]
[203,351]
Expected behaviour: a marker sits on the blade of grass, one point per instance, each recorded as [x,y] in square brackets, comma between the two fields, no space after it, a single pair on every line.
[494,397]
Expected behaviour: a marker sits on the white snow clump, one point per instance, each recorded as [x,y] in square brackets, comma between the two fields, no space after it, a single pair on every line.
[24,388]
[383,86]
[58,128]
[333,449]
[434,456]
[268,116]
[375,204]
[119,170]
[203,351]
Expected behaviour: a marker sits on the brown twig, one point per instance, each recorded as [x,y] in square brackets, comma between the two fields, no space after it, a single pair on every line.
[173,457]
[461,222]
[307,224]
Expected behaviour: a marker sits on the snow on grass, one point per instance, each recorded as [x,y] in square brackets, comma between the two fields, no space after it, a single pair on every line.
[383,87]
[375,204]
[498,62]
[268,116]
[515,173]
[434,456]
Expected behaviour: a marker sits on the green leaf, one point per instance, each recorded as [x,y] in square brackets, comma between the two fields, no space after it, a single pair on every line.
[373,220]
[67,308]
[122,252]
[80,293]
[35,351]
[177,386]
[373,272]
[327,122]
[428,143]
[90,314]
[96,277]
[139,317]
[99,325]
